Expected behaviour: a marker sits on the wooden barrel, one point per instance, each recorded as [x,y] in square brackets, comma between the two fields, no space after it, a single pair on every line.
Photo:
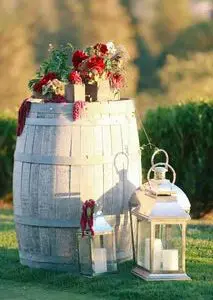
[60,163]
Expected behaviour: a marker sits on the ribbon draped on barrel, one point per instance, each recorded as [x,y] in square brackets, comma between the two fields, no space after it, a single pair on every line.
[22,115]
[87,216]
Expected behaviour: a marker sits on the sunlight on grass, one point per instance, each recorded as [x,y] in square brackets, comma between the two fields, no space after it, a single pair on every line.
[117,286]
[6,214]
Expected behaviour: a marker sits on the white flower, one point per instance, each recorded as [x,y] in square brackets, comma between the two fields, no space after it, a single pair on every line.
[111,47]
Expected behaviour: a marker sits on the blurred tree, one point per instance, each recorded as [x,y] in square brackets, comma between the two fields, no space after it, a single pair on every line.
[147,65]
[181,79]
[16,62]
[145,61]
[40,18]
[171,18]
[157,23]
[185,78]
[146,14]
[196,38]
[161,20]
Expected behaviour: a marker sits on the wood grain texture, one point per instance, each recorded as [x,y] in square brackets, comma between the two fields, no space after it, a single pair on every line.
[60,163]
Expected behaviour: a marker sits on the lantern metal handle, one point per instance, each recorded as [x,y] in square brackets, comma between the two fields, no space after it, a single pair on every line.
[161,164]
[158,151]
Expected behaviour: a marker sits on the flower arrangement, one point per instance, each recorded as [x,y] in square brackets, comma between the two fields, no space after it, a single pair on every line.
[100,62]
[90,67]
[49,82]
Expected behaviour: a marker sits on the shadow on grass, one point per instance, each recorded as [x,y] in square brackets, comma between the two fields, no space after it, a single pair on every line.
[117,286]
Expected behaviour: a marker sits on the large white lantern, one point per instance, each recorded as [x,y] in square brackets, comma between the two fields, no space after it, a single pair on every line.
[97,253]
[162,212]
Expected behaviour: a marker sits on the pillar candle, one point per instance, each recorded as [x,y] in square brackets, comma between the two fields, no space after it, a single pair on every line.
[157,254]
[170,260]
[100,260]
[147,254]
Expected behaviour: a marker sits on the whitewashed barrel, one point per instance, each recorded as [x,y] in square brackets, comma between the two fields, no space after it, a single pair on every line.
[59,163]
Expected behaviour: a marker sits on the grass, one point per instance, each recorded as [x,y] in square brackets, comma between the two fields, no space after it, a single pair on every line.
[20,283]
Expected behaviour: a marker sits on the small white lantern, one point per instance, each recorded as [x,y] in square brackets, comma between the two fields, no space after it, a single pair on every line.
[97,254]
[162,212]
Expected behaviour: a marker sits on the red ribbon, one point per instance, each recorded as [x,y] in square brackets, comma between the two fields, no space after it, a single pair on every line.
[22,115]
[87,216]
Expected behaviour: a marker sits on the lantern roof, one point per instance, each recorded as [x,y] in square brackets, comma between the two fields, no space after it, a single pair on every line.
[101,226]
[150,206]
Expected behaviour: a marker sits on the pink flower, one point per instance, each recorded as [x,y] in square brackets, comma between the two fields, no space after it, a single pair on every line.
[75,77]
[117,81]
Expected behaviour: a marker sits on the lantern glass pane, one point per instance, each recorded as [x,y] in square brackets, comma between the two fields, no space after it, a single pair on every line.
[85,255]
[143,244]
[168,248]
[103,253]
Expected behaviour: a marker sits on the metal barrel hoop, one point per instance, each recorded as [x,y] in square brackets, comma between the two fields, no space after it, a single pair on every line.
[161,164]
[157,152]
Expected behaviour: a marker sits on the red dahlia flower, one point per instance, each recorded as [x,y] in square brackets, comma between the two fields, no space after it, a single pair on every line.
[37,87]
[49,76]
[102,48]
[43,81]
[78,57]
[75,77]
[96,63]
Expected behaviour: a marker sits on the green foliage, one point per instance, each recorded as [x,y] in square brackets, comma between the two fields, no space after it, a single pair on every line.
[57,62]
[7,146]
[122,285]
[186,133]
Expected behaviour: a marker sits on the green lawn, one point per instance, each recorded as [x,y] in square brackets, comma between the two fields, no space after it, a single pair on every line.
[20,283]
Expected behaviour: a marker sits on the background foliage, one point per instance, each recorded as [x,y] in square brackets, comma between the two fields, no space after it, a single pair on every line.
[151,30]
[7,147]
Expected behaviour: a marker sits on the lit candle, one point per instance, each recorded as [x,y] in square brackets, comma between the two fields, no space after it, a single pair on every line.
[100,260]
[170,260]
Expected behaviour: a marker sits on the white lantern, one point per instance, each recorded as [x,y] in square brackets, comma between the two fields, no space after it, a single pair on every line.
[97,254]
[162,212]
